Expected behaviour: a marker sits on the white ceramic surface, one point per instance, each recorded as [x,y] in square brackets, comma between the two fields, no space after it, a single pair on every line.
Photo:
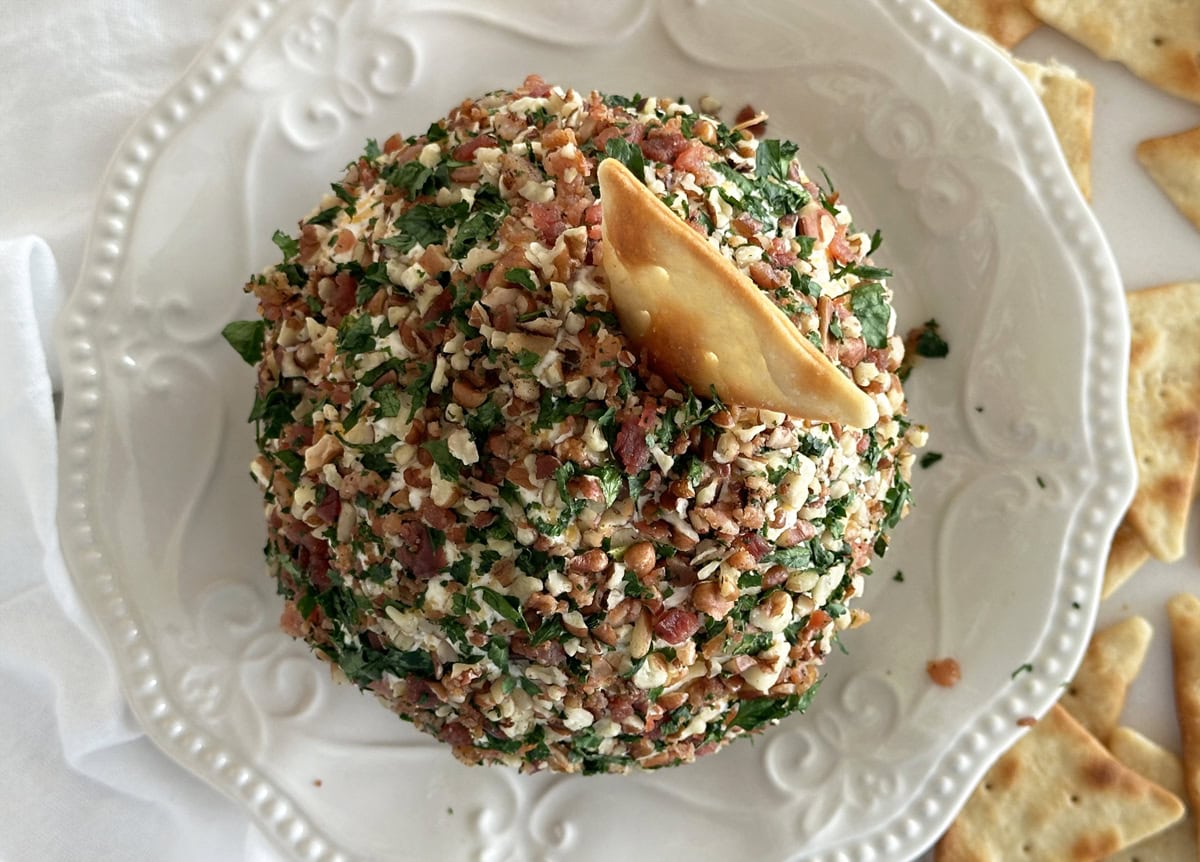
[930,136]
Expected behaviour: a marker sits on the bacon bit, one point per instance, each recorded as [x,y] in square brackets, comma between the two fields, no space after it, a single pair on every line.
[342,300]
[548,219]
[545,465]
[839,248]
[1026,721]
[316,782]
[663,145]
[548,652]
[695,159]
[394,143]
[417,552]
[536,86]
[330,507]
[455,734]
[753,121]
[756,545]
[465,152]
[631,441]
[944,672]
[677,625]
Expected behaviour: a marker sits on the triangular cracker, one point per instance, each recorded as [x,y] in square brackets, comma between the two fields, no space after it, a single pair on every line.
[1057,795]
[1069,101]
[1184,612]
[1159,40]
[1125,557]
[1151,761]
[702,321]
[1006,21]
[1174,163]
[1164,412]
[1096,696]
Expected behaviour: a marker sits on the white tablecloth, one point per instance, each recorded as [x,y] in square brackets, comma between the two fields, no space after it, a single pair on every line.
[80,781]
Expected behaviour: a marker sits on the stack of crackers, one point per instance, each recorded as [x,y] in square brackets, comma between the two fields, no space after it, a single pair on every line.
[1078,786]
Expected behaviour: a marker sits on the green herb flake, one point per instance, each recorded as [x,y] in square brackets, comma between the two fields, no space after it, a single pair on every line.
[287,245]
[929,459]
[930,343]
[246,337]
[504,605]
[447,464]
[756,713]
[356,334]
[388,399]
[1025,668]
[523,277]
[870,306]
[630,155]
[898,577]
[326,216]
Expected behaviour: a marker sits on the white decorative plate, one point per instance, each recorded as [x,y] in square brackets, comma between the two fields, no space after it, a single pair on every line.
[929,134]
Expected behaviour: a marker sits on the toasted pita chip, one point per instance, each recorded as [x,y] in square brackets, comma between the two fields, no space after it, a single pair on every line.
[1006,21]
[1150,760]
[1184,613]
[706,324]
[1057,795]
[1174,163]
[1158,40]
[1096,696]
[1125,557]
[1069,101]
[1164,412]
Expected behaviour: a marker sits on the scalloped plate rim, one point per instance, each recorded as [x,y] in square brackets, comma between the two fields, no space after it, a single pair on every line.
[100,589]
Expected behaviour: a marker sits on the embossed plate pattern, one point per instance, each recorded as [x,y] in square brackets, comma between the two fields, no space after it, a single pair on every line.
[930,135]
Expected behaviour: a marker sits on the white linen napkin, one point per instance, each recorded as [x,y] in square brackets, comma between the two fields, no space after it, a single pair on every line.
[80,781]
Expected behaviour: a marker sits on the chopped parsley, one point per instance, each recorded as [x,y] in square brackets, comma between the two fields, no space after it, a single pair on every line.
[630,155]
[246,337]
[930,344]
[869,304]
[929,459]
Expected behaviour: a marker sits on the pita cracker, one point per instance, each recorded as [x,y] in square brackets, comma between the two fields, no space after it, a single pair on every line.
[1069,101]
[1164,412]
[1150,760]
[1184,614]
[1057,796]
[1006,21]
[1096,696]
[1125,557]
[1158,40]
[1174,163]
[702,321]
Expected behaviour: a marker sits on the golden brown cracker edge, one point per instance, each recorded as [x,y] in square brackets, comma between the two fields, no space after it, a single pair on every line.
[1157,40]
[1096,696]
[1184,613]
[703,322]
[1177,843]
[1057,796]
[1173,162]
[1070,103]
[1125,556]
[1164,412]
[1006,21]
